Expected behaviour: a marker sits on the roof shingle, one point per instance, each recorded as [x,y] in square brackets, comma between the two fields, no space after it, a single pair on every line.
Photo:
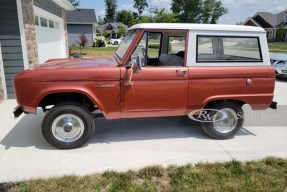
[81,16]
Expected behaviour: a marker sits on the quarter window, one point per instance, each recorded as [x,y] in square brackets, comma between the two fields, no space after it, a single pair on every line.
[228,49]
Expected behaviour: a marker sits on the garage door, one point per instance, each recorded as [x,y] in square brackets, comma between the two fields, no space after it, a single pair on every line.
[50,36]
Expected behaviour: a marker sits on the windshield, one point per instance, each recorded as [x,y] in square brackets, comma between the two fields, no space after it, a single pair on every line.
[122,49]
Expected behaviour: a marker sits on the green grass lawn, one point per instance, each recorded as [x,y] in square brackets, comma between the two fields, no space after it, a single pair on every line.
[95,51]
[278,47]
[269,174]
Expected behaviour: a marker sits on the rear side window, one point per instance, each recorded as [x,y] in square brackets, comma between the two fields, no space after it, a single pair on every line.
[228,49]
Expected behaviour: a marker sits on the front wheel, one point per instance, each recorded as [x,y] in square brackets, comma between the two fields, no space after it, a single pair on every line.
[227,120]
[68,126]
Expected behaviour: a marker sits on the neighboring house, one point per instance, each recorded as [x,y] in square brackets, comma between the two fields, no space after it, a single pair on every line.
[269,21]
[111,29]
[81,21]
[31,32]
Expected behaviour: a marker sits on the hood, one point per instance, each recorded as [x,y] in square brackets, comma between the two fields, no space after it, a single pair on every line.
[76,63]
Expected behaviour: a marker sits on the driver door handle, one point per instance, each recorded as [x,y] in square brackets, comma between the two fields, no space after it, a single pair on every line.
[181,72]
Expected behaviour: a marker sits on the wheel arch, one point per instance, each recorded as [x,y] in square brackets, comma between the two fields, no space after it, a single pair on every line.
[210,102]
[57,97]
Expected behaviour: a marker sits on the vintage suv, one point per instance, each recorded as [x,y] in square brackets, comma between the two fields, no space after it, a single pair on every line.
[158,70]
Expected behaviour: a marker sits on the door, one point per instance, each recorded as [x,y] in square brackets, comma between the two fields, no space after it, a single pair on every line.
[50,36]
[160,89]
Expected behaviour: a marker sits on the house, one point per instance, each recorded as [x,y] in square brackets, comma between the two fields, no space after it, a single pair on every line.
[111,29]
[81,21]
[31,32]
[269,21]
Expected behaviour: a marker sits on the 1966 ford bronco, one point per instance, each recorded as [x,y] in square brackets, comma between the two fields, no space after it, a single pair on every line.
[158,70]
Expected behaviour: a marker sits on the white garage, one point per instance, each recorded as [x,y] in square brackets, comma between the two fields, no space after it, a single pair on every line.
[31,32]
[50,35]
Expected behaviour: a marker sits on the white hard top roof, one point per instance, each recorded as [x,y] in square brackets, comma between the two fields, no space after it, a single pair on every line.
[205,27]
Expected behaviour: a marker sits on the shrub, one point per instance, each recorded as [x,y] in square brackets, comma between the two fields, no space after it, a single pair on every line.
[100,41]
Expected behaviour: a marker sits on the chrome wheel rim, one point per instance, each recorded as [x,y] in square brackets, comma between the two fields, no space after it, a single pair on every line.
[68,128]
[225,121]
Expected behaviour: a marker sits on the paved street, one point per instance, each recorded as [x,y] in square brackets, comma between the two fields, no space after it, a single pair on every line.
[135,143]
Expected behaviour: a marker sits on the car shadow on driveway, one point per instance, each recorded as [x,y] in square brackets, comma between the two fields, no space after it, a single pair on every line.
[27,132]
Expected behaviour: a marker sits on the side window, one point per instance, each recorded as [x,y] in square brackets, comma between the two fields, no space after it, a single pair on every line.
[154,41]
[149,50]
[205,46]
[176,45]
[141,49]
[228,49]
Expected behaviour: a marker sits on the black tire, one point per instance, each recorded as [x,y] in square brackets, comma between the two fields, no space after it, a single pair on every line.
[78,111]
[116,43]
[209,127]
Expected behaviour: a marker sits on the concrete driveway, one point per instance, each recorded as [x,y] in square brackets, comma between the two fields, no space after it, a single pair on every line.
[135,143]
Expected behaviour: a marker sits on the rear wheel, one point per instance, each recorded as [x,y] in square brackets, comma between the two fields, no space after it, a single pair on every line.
[68,126]
[227,120]
[116,43]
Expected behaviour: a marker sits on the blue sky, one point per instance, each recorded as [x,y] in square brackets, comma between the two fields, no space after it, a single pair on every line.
[239,10]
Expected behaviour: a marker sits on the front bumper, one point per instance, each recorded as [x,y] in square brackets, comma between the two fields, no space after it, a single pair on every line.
[17,111]
[273,105]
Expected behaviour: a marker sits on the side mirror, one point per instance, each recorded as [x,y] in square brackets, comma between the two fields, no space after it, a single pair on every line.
[136,63]
[136,66]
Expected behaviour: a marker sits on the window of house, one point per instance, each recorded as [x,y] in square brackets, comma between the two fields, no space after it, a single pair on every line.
[176,44]
[269,34]
[228,49]
[51,24]
[36,20]
[44,22]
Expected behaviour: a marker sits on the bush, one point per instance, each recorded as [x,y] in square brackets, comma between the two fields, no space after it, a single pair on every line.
[100,41]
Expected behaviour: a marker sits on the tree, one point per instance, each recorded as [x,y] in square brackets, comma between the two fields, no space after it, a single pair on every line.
[122,31]
[101,20]
[198,11]
[147,19]
[159,16]
[280,33]
[140,6]
[111,7]
[75,3]
[83,41]
[212,10]
[125,17]
[162,16]
[188,11]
